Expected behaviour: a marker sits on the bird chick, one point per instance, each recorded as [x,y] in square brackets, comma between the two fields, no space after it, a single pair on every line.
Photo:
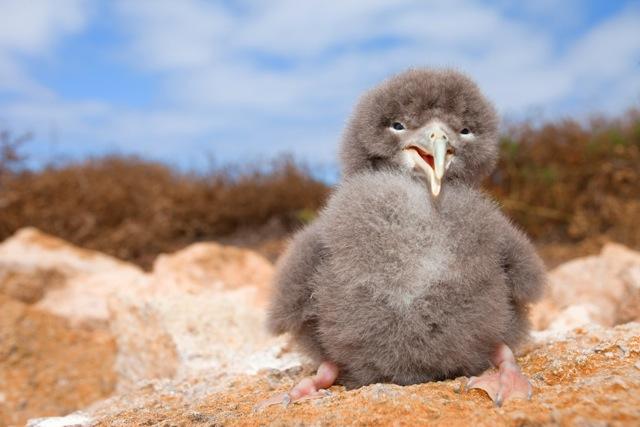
[410,274]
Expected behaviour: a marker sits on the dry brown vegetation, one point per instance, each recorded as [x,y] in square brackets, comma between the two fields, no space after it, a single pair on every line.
[135,209]
[563,182]
[10,156]
[568,183]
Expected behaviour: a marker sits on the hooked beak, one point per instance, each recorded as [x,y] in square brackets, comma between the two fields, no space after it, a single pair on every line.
[433,155]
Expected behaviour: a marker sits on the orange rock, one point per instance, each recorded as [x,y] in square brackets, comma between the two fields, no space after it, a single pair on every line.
[28,284]
[48,367]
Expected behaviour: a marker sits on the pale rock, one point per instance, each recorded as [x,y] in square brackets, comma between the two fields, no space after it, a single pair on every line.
[204,311]
[179,333]
[145,349]
[66,280]
[600,289]
[84,298]
[30,246]
[629,309]
[74,420]
[213,266]
[574,316]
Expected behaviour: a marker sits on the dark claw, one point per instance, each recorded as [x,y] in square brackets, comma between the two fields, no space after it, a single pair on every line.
[286,400]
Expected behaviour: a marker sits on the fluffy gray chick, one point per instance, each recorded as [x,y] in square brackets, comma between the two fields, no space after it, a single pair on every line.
[410,274]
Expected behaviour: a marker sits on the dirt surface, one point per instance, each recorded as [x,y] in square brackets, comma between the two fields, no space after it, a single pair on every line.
[590,377]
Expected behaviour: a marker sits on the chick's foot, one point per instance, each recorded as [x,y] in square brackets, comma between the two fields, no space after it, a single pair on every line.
[313,387]
[507,383]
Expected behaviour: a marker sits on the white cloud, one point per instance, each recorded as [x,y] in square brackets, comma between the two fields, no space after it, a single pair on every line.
[31,28]
[122,127]
[610,47]
[171,35]
[549,14]
[601,70]
[516,64]
[287,28]
[14,79]
[320,42]
[275,76]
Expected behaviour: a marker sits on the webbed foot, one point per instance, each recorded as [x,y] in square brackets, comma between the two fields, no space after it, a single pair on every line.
[507,383]
[313,387]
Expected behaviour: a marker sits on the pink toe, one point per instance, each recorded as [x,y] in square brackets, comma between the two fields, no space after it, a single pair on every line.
[274,400]
[489,382]
[326,376]
[305,387]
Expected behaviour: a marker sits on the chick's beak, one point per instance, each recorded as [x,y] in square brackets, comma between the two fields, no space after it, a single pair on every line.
[432,154]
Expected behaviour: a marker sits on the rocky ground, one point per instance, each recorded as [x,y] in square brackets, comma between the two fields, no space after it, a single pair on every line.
[86,339]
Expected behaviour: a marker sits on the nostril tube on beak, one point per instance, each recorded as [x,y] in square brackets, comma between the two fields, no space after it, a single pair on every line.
[436,133]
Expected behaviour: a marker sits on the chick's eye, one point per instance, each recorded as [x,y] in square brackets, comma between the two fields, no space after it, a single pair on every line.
[397,126]
[465,131]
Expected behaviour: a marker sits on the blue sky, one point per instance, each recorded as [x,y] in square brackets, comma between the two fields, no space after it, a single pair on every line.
[184,81]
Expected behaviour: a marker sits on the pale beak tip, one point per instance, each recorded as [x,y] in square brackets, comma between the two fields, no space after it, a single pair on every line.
[435,188]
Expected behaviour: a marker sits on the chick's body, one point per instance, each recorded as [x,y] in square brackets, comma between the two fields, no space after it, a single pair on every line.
[410,274]
[408,289]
